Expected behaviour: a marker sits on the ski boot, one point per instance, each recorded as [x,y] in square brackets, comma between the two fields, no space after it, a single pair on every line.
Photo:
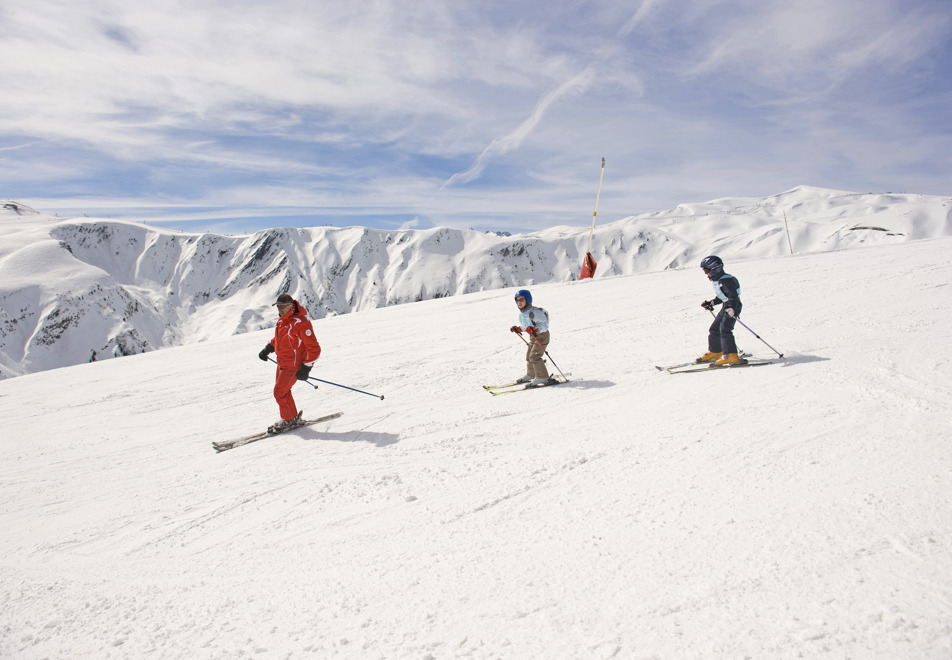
[283,425]
[729,359]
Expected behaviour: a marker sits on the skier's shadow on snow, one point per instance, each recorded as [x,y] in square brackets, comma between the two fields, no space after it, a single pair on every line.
[374,438]
[588,384]
[789,360]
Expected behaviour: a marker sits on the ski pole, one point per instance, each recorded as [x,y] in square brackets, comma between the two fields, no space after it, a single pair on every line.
[352,389]
[737,318]
[320,380]
[759,337]
[544,351]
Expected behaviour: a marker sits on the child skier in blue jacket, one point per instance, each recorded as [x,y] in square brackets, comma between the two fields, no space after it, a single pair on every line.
[535,322]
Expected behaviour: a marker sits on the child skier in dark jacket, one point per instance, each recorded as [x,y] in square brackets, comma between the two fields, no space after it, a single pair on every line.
[721,347]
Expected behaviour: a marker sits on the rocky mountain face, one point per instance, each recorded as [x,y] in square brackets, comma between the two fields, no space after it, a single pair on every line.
[73,291]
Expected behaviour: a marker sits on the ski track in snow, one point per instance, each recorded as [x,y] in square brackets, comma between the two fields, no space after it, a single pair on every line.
[802,509]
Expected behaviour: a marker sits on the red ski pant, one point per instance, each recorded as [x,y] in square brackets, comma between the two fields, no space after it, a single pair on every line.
[283,382]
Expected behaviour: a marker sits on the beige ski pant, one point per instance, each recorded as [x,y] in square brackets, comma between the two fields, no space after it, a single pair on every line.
[535,366]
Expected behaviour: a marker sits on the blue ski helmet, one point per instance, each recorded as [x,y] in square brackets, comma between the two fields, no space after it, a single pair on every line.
[714,265]
[524,293]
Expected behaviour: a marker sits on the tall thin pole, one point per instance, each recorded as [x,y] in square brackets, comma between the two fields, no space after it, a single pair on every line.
[595,212]
[788,231]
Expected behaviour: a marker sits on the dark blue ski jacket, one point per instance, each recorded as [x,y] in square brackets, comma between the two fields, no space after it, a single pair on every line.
[727,290]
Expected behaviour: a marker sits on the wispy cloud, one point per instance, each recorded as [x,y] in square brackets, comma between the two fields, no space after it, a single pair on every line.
[362,110]
[505,143]
[644,10]
[813,42]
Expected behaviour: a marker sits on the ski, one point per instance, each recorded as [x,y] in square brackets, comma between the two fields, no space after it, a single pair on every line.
[718,367]
[231,444]
[500,387]
[497,392]
[508,385]
[679,366]
[695,363]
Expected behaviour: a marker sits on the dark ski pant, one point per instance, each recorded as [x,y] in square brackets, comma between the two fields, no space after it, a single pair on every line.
[283,382]
[720,338]
[535,365]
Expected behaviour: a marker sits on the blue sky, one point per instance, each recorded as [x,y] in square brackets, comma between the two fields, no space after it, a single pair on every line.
[236,116]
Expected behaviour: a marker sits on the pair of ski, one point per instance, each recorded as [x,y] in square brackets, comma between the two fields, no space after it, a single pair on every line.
[697,367]
[512,388]
[299,421]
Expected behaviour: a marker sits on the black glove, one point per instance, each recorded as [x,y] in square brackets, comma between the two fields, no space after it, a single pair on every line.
[708,305]
[303,372]
[266,351]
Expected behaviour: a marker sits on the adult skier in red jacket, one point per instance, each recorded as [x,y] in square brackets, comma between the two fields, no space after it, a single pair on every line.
[296,349]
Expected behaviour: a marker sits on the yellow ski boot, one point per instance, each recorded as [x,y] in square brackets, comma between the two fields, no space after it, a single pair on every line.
[729,358]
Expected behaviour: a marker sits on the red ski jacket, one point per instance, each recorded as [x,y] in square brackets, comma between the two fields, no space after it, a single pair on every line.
[294,341]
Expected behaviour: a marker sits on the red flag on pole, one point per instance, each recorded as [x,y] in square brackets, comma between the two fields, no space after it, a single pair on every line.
[589,265]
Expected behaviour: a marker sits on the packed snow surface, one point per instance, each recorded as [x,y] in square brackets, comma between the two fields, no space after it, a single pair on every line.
[800,509]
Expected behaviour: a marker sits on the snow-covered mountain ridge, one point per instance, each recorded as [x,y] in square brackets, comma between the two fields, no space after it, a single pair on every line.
[76,290]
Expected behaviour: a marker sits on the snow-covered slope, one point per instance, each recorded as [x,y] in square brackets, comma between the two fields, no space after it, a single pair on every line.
[78,290]
[802,509]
